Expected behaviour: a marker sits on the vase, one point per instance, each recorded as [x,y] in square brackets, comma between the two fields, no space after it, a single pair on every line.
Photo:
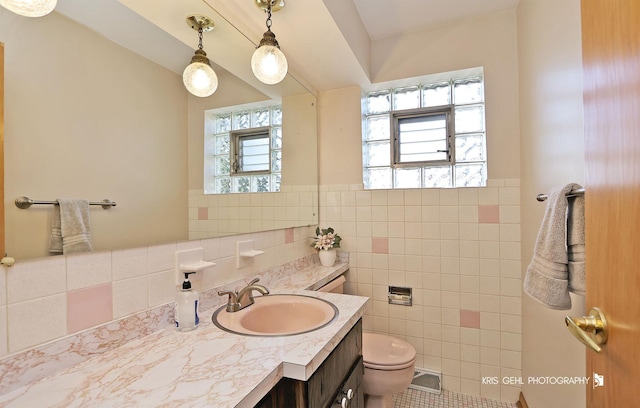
[327,257]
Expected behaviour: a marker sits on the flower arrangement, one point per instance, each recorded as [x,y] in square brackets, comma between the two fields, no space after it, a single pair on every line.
[326,239]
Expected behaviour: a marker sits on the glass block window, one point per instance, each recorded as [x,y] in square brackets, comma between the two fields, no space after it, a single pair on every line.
[425,136]
[243,151]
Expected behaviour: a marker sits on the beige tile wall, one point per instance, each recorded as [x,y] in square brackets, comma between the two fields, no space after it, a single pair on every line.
[36,305]
[224,214]
[459,249]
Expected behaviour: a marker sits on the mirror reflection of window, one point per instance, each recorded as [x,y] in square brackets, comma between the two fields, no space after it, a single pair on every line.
[251,153]
[243,154]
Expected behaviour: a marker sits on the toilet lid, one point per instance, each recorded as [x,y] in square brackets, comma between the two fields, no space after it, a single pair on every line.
[382,351]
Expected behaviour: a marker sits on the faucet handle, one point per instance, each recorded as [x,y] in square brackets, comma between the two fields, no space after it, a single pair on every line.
[253,282]
[231,293]
[232,303]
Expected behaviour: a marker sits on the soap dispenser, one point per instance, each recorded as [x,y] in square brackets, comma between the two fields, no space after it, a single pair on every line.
[186,312]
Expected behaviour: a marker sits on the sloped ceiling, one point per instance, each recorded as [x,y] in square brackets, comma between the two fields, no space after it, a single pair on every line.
[327,42]
[385,19]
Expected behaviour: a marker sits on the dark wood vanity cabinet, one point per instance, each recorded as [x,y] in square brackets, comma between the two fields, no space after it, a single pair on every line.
[330,384]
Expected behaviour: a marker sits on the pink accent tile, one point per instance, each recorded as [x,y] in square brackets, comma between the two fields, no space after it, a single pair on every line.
[380,245]
[489,214]
[470,319]
[203,213]
[288,235]
[89,307]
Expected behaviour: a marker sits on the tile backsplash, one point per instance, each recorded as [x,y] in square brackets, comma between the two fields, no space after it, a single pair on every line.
[36,363]
[459,249]
[46,299]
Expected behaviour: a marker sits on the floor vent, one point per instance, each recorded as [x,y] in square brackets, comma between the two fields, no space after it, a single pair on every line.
[426,380]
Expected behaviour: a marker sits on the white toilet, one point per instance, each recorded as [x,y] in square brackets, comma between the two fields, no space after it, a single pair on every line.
[388,362]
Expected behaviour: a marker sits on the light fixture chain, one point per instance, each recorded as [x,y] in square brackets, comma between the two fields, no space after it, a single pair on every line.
[200,37]
[269,17]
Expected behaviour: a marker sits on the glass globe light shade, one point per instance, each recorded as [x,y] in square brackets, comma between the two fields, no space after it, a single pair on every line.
[200,79]
[269,64]
[29,8]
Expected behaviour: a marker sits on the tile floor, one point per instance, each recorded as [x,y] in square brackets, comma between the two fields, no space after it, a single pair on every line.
[412,398]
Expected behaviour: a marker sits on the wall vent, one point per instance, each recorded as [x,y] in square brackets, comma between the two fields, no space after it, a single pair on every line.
[427,380]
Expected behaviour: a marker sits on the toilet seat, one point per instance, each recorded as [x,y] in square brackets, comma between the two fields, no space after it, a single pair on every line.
[382,352]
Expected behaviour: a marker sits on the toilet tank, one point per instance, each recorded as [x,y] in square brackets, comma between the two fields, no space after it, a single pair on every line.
[335,286]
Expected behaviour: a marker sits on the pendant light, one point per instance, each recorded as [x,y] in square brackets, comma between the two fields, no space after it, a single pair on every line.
[29,8]
[268,63]
[198,77]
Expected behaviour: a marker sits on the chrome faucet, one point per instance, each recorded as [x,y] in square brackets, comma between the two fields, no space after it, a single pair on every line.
[242,298]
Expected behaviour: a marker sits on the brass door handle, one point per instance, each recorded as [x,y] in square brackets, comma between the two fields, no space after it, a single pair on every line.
[591,330]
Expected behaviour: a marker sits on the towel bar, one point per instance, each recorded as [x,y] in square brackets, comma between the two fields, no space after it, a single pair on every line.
[25,202]
[572,193]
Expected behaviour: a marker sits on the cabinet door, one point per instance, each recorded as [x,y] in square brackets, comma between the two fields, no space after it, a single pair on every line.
[352,386]
[325,383]
[343,366]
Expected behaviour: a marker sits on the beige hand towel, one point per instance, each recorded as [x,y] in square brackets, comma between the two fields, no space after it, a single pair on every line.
[75,226]
[547,276]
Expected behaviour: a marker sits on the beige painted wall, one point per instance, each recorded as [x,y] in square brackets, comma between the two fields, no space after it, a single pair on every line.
[300,142]
[488,41]
[340,142]
[552,153]
[86,118]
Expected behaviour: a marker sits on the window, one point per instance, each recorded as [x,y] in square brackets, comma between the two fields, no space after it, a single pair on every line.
[422,137]
[243,151]
[250,151]
[425,136]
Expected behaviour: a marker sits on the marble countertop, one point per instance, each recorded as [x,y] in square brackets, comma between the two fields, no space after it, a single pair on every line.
[206,367]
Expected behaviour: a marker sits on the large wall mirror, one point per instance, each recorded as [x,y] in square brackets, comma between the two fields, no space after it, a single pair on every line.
[95,108]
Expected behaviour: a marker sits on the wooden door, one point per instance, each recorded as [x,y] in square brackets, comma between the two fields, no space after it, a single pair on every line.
[611,60]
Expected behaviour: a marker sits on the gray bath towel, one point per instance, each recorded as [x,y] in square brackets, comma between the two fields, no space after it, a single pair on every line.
[576,245]
[75,225]
[547,277]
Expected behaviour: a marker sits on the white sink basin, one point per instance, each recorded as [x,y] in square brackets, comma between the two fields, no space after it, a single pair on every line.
[277,315]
